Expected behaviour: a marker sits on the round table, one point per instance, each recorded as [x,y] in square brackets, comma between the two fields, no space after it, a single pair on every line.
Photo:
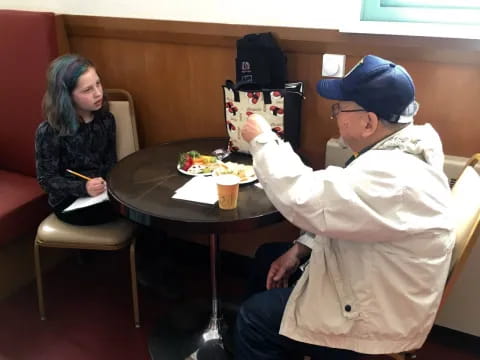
[141,187]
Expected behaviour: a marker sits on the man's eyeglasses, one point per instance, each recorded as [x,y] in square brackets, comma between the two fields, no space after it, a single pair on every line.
[336,110]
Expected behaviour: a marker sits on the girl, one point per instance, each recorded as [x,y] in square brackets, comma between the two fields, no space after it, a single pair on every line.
[78,134]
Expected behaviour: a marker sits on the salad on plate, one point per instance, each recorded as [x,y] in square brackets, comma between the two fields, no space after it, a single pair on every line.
[193,163]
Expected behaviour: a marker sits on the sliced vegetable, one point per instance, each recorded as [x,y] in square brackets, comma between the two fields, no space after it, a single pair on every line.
[185,161]
[194,153]
[208,159]
[189,158]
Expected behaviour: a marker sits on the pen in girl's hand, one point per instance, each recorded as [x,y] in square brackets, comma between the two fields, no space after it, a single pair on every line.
[78,174]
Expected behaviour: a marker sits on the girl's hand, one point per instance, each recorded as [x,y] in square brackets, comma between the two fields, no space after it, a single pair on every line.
[96,186]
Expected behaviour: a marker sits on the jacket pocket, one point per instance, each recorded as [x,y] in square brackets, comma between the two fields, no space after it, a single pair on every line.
[345,294]
[321,301]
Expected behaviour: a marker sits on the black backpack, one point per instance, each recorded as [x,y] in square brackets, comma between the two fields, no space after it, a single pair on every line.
[260,62]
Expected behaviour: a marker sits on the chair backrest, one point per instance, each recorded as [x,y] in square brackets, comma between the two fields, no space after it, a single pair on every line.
[466,209]
[121,106]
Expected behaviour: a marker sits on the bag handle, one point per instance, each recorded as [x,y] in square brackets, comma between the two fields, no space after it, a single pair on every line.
[236,88]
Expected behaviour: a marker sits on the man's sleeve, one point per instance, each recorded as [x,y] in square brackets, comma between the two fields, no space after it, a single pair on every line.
[307,239]
[335,202]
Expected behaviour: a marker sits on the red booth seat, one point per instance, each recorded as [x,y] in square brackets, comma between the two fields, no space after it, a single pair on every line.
[28,44]
[23,205]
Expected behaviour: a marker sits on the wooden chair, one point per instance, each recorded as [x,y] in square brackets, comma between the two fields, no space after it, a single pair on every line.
[114,235]
[466,209]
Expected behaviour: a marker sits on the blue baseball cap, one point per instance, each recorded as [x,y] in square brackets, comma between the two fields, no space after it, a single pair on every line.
[377,85]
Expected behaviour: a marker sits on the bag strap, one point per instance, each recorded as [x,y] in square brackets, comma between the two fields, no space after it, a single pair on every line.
[267,99]
[236,88]
[229,84]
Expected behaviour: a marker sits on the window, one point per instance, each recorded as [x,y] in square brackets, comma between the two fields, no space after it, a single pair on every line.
[464,12]
[432,18]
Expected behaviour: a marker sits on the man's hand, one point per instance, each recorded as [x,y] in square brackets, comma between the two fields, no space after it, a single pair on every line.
[253,127]
[96,186]
[286,265]
[281,269]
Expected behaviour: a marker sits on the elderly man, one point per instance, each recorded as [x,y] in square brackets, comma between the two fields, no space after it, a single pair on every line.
[378,233]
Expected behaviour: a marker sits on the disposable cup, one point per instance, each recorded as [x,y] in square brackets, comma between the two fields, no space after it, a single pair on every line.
[227,188]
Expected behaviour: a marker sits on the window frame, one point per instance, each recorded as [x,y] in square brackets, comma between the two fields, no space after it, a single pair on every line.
[353,23]
[421,11]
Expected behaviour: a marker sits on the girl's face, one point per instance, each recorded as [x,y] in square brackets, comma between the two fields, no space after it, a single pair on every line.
[87,96]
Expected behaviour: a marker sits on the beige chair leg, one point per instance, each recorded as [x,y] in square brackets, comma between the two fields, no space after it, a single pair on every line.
[401,356]
[133,271]
[38,276]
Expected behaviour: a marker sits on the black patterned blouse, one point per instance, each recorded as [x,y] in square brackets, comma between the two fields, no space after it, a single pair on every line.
[91,151]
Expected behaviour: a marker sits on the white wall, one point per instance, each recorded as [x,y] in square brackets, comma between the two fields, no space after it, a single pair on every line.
[324,14]
[314,14]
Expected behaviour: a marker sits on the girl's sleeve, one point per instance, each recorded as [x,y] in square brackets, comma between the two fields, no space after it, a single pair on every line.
[111,149]
[49,175]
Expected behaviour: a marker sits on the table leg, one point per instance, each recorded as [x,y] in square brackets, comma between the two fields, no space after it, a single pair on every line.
[211,346]
[212,332]
[195,343]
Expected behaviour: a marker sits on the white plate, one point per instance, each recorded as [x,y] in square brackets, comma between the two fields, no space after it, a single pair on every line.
[247,181]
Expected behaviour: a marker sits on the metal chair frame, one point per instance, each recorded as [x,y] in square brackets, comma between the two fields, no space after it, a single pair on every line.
[113,95]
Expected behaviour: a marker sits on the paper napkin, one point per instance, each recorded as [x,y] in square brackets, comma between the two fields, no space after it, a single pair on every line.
[201,189]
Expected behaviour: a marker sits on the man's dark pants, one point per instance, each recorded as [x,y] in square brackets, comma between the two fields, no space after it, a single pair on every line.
[258,321]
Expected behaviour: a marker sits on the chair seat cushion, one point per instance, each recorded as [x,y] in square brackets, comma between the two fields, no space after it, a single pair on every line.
[23,205]
[53,232]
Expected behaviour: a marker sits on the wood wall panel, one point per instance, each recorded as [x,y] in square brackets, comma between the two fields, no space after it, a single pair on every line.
[176,88]
[175,70]
[62,38]
[246,243]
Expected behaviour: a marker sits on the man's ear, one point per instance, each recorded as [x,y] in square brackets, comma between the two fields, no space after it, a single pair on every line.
[370,124]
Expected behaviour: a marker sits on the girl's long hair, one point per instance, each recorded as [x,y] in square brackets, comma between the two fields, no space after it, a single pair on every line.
[58,107]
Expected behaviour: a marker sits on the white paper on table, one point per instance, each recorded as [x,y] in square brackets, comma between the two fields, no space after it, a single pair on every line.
[200,189]
[87,201]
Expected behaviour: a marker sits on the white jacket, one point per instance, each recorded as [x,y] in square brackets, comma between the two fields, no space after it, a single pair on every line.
[383,243]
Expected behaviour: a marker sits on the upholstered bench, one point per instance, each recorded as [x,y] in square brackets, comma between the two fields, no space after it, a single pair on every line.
[23,205]
[29,44]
